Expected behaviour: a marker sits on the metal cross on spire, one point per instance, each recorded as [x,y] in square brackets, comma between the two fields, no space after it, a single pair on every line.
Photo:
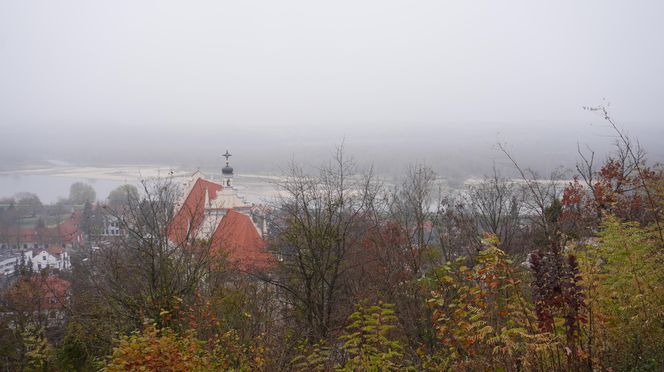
[227,155]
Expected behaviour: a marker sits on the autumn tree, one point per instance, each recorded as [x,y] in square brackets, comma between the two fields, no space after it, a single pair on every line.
[483,317]
[32,322]
[162,349]
[630,171]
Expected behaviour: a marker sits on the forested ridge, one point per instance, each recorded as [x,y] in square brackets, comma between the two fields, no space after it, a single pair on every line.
[540,273]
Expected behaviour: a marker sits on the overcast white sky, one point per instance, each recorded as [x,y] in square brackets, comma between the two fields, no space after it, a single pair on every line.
[116,80]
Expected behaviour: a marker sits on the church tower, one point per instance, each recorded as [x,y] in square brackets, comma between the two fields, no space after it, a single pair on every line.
[227,171]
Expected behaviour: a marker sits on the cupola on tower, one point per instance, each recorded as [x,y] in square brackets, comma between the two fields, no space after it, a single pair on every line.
[227,171]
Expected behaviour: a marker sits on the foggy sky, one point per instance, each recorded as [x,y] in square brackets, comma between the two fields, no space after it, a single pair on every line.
[402,81]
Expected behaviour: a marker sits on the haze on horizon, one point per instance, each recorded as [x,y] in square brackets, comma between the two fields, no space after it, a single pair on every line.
[174,82]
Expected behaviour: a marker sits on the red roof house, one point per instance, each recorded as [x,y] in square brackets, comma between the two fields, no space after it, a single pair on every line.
[211,211]
[53,291]
[40,293]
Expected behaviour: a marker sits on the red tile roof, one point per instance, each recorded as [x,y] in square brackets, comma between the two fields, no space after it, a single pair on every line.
[68,231]
[28,235]
[53,291]
[55,251]
[237,237]
[47,292]
[65,232]
[192,212]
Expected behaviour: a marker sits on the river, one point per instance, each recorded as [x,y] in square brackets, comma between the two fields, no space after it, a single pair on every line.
[52,183]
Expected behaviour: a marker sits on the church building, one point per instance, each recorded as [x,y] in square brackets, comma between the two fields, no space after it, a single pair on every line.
[214,213]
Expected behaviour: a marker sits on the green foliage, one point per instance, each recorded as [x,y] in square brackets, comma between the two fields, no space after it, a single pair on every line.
[73,352]
[623,274]
[38,351]
[86,342]
[554,211]
[316,357]
[367,340]
[122,196]
[86,218]
[28,204]
[81,193]
[367,344]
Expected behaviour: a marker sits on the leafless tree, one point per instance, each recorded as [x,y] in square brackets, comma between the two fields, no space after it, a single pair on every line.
[414,208]
[627,150]
[495,205]
[456,230]
[149,270]
[541,197]
[414,211]
[320,219]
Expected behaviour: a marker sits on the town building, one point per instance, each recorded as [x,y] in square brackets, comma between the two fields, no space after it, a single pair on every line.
[39,248]
[66,233]
[8,263]
[54,257]
[214,212]
[111,227]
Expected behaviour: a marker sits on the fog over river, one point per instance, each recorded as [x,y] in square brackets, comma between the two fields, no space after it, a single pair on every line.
[53,183]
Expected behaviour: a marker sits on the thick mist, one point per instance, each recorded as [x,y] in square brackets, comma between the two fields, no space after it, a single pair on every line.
[177,83]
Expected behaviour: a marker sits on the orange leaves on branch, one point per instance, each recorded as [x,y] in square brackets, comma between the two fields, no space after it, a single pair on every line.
[480,314]
[163,349]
